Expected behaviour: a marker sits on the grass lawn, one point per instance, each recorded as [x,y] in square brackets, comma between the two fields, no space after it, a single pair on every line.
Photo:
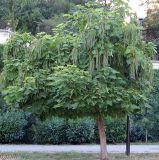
[75,156]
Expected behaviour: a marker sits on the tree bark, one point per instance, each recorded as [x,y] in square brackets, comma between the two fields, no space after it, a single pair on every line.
[102,136]
[128,136]
[105,3]
[12,12]
[146,135]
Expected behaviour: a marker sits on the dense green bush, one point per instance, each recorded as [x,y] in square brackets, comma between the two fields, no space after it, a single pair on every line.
[80,131]
[137,133]
[20,127]
[49,132]
[58,131]
[115,130]
[1,56]
[12,127]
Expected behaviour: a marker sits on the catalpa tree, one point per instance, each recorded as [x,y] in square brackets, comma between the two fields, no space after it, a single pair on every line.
[95,65]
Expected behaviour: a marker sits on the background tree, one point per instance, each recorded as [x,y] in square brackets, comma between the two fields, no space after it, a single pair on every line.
[35,16]
[153,102]
[151,22]
[144,123]
[112,71]
[3,13]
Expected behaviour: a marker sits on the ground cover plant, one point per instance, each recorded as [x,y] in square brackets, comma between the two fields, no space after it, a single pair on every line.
[78,156]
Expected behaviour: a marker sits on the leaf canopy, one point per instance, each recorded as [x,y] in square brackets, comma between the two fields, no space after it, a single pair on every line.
[95,64]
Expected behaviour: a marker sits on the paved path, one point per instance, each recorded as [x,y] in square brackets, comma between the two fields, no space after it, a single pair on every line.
[78,148]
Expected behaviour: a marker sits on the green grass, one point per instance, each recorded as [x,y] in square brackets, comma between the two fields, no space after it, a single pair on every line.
[75,156]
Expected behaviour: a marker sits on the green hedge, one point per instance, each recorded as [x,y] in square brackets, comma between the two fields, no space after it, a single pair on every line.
[80,131]
[49,132]
[12,127]
[20,127]
[58,131]
[115,129]
[1,56]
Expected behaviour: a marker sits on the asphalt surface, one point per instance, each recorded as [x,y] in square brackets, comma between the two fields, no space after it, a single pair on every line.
[78,148]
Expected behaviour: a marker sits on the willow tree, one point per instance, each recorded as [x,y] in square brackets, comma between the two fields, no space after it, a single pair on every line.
[95,65]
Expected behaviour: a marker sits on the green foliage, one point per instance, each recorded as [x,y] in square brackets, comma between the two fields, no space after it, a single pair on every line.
[113,66]
[60,131]
[1,56]
[2,103]
[107,41]
[29,18]
[154,98]
[137,133]
[33,16]
[21,128]
[151,21]
[52,131]
[81,1]
[115,129]
[12,127]
[3,13]
[18,128]
[72,92]
[48,24]
[153,115]
[80,131]
[148,118]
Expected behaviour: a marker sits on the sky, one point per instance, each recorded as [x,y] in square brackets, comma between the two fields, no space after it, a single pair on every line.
[139,10]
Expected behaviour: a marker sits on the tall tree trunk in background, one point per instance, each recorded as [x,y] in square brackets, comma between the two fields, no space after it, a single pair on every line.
[128,136]
[146,135]
[105,3]
[12,14]
[102,136]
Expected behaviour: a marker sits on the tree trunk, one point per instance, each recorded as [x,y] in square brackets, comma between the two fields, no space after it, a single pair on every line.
[128,136]
[12,12]
[146,135]
[102,136]
[105,3]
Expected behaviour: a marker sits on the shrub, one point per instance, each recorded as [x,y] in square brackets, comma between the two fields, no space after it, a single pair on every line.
[12,127]
[58,131]
[137,133]
[51,131]
[18,127]
[1,56]
[115,129]
[80,131]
